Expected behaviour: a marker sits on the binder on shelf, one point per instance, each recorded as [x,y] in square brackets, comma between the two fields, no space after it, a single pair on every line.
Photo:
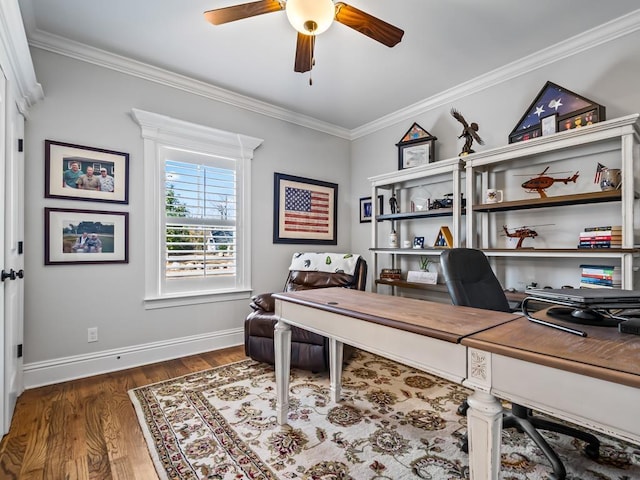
[444,238]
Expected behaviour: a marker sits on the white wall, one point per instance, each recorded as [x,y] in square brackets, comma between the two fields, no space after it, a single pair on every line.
[607,74]
[89,105]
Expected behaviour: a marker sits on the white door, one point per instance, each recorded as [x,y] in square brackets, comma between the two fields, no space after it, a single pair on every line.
[12,194]
[5,287]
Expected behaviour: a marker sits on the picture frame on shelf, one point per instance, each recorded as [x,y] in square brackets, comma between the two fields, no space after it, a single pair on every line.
[366,208]
[418,242]
[416,148]
[75,236]
[549,125]
[66,164]
[305,211]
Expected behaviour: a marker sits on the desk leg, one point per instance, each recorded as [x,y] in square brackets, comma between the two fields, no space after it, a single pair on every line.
[484,421]
[335,368]
[282,346]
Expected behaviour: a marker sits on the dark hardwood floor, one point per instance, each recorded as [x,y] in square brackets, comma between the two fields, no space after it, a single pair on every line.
[87,428]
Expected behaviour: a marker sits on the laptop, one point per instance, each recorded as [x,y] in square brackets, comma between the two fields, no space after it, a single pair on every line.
[603,298]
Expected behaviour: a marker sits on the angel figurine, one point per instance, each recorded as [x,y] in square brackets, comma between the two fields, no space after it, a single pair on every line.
[469,132]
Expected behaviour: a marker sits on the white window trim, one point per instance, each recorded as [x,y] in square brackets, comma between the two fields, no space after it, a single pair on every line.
[162,131]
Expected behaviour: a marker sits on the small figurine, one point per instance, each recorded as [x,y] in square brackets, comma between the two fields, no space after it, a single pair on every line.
[469,132]
[393,203]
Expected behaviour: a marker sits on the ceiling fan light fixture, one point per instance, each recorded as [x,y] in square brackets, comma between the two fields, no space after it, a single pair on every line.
[310,17]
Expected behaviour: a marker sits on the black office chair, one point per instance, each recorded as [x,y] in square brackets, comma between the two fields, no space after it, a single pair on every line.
[472,283]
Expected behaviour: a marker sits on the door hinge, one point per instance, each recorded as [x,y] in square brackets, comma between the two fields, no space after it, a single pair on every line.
[20,351]
[20,144]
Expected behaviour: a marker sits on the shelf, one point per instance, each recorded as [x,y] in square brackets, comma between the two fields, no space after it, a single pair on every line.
[410,251]
[436,212]
[561,200]
[559,252]
[438,287]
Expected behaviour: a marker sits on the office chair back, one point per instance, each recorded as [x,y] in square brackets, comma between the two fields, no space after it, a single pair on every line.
[471,281]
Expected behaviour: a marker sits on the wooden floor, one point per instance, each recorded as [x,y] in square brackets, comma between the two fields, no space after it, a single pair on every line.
[88,429]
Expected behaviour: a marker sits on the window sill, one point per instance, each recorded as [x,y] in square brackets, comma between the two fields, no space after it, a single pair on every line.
[194,298]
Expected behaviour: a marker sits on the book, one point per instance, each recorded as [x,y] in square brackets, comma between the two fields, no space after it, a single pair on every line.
[608,227]
[596,281]
[598,267]
[602,233]
[591,285]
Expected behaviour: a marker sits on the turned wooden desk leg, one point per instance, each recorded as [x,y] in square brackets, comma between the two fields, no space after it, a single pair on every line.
[335,368]
[282,346]
[484,422]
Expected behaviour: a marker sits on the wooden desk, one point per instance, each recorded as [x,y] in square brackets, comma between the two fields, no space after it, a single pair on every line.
[424,335]
[592,381]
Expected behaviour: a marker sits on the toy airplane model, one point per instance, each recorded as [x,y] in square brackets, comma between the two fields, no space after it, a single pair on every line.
[521,233]
[540,183]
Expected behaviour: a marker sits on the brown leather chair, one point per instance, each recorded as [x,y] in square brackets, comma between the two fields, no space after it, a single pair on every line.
[309,351]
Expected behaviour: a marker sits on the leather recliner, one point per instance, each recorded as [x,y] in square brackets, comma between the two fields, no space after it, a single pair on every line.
[309,351]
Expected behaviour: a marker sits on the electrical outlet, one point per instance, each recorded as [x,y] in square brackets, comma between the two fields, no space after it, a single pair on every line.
[92,334]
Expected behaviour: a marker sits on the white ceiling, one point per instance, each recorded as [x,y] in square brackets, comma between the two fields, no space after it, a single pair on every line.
[356,80]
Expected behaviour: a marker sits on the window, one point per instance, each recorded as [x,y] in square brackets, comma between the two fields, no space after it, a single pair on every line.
[197,212]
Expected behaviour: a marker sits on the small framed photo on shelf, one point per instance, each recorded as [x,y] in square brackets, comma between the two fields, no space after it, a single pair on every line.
[549,125]
[366,208]
[415,148]
[418,242]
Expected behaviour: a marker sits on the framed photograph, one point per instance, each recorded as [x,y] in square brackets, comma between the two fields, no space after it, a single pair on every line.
[415,148]
[549,125]
[305,211]
[418,242]
[85,236]
[85,173]
[366,209]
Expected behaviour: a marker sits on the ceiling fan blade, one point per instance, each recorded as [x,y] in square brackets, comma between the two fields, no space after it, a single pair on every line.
[245,10]
[368,25]
[304,53]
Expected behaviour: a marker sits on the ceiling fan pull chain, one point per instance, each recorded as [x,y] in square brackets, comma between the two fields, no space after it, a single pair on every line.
[311,59]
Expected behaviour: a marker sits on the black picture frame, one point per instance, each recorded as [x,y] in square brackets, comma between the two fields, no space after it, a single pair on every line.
[366,208]
[416,148]
[305,211]
[59,157]
[65,242]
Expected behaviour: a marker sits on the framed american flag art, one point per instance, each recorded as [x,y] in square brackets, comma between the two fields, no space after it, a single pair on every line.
[305,211]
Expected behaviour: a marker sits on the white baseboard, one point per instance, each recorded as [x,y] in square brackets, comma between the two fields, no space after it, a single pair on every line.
[37,374]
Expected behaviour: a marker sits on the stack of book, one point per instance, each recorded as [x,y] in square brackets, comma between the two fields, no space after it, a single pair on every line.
[390,274]
[600,276]
[601,237]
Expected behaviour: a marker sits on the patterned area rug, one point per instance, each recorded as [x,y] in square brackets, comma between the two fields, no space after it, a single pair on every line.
[394,423]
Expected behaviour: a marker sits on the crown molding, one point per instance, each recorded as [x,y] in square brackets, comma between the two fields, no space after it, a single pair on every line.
[589,39]
[15,57]
[102,58]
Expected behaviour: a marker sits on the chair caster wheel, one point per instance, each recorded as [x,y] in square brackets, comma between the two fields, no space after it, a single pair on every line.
[462,409]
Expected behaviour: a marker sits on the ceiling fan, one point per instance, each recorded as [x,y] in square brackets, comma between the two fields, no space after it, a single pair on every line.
[310,18]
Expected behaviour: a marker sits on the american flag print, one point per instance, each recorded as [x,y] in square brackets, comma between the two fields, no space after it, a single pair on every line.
[307,210]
